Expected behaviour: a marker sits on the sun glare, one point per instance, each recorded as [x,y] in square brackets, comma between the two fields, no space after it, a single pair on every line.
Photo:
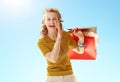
[13,4]
[16,6]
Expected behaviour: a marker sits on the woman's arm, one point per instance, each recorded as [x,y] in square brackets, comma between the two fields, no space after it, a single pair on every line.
[54,54]
[80,45]
[80,48]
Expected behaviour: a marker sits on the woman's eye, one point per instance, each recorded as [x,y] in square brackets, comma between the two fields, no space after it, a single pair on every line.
[54,19]
[48,19]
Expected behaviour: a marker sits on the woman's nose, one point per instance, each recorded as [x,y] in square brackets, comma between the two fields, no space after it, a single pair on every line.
[52,21]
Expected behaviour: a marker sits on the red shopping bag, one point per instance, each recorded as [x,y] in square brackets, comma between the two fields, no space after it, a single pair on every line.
[89,51]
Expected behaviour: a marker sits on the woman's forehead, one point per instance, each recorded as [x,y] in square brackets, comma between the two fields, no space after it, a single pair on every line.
[51,14]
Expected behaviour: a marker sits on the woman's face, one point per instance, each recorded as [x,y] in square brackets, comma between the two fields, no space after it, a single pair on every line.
[50,20]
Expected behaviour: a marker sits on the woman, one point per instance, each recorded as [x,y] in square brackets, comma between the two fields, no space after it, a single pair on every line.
[55,44]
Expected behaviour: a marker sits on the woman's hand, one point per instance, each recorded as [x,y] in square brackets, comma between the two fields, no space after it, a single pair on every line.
[79,34]
[59,28]
[80,48]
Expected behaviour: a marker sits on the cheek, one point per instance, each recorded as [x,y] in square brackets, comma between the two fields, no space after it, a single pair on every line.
[55,21]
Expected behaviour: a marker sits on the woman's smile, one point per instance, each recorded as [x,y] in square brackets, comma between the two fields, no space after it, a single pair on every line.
[52,26]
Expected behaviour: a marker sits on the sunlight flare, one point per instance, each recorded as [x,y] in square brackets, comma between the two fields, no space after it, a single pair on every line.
[14,7]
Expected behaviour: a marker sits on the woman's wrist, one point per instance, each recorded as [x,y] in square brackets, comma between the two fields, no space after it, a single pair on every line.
[60,34]
[81,45]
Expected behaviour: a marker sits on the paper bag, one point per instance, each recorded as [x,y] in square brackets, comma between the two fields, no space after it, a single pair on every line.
[90,50]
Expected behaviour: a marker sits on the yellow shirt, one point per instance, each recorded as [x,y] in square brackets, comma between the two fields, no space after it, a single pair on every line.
[63,65]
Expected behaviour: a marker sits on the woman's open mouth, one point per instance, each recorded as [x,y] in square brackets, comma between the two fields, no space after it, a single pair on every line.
[52,26]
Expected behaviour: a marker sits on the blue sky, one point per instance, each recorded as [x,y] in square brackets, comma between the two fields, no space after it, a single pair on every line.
[20,58]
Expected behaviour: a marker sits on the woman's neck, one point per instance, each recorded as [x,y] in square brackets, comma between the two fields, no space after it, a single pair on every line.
[52,34]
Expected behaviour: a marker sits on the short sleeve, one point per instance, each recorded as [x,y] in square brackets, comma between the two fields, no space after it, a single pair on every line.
[44,49]
[72,42]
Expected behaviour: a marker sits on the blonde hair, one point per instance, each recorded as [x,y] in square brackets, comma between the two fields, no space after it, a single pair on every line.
[44,30]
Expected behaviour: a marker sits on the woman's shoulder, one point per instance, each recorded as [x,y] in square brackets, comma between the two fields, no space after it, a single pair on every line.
[66,34]
[42,39]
